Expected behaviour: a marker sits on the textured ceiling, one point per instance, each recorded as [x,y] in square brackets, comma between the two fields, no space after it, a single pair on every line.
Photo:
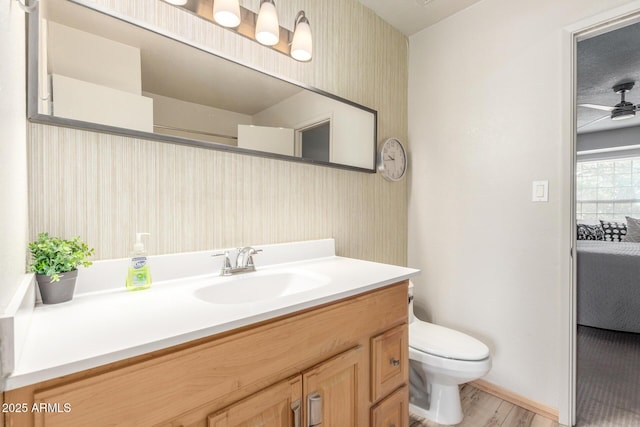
[603,62]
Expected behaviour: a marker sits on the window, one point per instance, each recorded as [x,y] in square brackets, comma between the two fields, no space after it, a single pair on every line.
[608,189]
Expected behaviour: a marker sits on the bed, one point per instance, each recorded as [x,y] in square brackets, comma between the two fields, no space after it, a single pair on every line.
[609,285]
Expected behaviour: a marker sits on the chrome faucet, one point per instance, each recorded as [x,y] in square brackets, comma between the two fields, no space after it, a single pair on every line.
[245,258]
[244,261]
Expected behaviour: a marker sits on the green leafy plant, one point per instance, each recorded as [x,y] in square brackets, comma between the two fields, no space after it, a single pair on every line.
[52,255]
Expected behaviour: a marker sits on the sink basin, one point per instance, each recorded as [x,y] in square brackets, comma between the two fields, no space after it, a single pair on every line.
[255,287]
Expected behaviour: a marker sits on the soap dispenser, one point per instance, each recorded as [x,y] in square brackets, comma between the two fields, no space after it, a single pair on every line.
[138,275]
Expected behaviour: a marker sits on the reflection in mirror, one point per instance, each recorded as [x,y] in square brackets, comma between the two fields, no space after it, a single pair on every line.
[315,141]
[97,71]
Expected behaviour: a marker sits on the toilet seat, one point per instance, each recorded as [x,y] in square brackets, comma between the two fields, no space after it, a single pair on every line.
[444,342]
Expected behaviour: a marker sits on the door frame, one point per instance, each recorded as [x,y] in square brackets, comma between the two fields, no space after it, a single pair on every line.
[601,23]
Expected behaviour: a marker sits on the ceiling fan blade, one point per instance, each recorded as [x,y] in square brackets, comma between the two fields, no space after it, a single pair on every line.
[597,107]
[594,121]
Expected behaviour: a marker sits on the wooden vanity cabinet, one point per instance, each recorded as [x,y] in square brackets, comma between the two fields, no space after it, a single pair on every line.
[260,375]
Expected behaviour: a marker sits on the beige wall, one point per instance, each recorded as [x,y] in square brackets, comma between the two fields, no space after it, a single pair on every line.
[13,151]
[105,188]
[488,114]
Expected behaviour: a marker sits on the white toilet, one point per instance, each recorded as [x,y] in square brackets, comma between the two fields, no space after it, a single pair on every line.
[440,359]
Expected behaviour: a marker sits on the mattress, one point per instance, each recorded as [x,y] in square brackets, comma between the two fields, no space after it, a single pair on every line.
[608,277]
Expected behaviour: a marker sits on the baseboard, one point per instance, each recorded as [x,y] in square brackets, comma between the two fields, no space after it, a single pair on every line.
[516,399]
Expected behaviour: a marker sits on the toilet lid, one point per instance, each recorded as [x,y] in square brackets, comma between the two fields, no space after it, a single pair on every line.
[444,342]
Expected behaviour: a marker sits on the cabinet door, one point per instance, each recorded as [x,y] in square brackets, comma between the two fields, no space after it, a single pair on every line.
[332,394]
[389,361]
[276,406]
[393,411]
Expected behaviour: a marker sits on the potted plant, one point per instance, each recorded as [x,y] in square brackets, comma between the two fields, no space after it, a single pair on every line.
[55,262]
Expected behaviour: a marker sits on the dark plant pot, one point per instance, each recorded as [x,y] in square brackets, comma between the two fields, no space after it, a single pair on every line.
[57,292]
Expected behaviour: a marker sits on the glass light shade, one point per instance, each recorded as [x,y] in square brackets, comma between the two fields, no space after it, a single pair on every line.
[177,2]
[302,44]
[267,26]
[226,12]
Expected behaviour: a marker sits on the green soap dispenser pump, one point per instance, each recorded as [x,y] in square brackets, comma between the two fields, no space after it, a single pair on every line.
[139,275]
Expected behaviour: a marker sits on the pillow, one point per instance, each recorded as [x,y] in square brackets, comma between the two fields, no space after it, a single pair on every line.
[613,231]
[590,232]
[633,230]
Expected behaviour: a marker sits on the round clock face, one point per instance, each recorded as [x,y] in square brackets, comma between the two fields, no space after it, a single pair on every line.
[392,161]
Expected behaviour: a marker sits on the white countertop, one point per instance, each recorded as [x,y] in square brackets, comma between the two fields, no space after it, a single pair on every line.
[97,328]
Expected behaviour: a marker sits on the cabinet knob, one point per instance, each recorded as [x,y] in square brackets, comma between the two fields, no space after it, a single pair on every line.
[394,362]
[392,425]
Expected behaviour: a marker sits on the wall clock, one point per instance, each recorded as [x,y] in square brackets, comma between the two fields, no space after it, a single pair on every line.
[392,160]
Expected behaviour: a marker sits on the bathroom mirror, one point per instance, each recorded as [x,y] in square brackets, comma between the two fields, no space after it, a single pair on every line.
[94,70]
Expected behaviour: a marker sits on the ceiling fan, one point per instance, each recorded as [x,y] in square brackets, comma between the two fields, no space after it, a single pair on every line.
[620,111]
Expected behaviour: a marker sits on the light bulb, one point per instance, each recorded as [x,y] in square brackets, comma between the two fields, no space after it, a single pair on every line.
[267,26]
[302,44]
[226,13]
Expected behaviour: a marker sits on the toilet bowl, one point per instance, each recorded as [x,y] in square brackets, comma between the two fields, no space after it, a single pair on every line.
[440,359]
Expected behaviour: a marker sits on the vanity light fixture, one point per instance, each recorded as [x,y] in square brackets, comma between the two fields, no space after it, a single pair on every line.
[262,27]
[267,27]
[226,13]
[302,43]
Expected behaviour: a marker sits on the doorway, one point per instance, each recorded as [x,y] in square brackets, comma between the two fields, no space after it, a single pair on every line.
[606,152]
[315,142]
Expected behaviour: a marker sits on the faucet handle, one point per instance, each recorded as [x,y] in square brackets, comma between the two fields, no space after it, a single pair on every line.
[227,262]
[253,252]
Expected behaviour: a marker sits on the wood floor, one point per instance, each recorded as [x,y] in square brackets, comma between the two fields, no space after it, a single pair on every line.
[485,410]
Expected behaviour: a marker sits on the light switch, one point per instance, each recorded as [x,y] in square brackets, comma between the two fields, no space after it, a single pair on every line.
[540,191]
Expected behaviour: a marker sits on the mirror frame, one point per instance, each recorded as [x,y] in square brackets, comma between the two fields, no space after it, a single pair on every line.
[34,116]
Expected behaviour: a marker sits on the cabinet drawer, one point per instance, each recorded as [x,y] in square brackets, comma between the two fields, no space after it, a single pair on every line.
[389,361]
[392,411]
